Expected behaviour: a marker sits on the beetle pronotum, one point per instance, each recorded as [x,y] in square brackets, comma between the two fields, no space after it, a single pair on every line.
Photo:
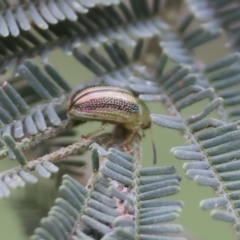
[110,104]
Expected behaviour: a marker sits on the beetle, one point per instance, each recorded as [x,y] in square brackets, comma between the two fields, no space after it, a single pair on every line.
[109,104]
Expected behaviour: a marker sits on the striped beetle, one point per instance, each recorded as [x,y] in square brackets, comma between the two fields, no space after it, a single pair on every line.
[110,104]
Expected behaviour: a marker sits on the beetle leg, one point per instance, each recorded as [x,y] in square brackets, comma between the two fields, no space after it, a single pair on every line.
[87,136]
[127,148]
[127,142]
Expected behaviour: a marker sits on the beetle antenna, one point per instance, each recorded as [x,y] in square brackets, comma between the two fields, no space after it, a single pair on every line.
[154,147]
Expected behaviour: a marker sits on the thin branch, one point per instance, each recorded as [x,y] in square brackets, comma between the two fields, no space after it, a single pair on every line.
[62,153]
[50,132]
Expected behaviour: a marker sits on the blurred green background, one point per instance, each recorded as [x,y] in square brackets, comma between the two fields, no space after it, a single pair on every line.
[197,224]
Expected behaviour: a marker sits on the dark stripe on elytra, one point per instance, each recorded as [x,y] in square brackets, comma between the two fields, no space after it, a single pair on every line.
[95,91]
[122,105]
